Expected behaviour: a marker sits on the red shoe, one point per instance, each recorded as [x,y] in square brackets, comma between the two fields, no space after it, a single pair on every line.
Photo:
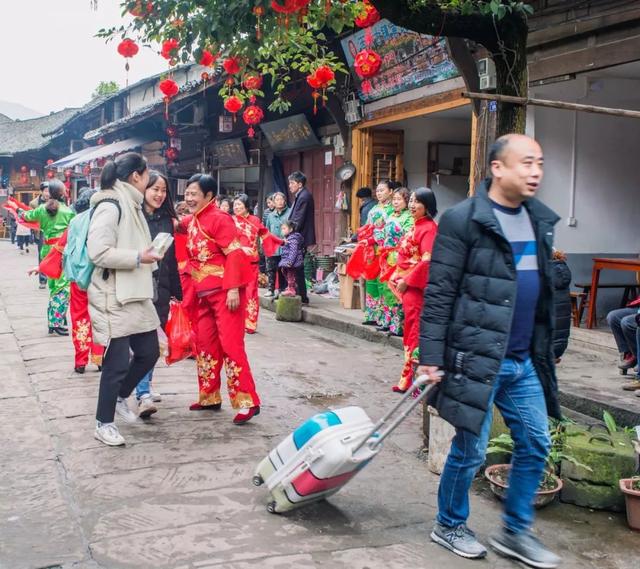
[241,418]
[198,407]
[396,389]
[250,331]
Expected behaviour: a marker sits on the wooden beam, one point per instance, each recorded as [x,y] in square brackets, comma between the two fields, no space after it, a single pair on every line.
[554,104]
[474,154]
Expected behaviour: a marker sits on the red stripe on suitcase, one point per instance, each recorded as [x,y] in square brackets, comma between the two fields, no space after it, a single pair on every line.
[307,484]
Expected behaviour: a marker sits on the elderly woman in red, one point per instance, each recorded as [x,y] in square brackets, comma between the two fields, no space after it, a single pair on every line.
[250,229]
[220,271]
[412,275]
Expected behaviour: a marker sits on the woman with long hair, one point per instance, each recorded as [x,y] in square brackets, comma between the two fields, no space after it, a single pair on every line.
[412,275]
[54,217]
[121,289]
[251,229]
[219,270]
[161,218]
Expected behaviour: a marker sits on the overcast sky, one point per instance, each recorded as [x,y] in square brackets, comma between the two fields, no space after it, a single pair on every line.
[49,58]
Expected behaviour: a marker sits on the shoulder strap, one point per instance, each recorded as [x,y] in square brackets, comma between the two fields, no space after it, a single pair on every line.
[108,200]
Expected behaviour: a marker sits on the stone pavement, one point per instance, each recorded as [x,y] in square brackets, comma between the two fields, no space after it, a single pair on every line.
[179,495]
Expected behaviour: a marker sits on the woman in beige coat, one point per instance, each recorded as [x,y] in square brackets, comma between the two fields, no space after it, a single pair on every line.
[121,290]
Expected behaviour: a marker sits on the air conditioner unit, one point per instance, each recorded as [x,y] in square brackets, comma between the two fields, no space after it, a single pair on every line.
[352,109]
[486,74]
[338,145]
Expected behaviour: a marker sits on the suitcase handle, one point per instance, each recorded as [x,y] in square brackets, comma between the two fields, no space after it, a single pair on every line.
[374,442]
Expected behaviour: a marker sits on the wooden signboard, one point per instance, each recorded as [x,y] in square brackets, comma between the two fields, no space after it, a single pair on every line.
[290,133]
[230,153]
[409,60]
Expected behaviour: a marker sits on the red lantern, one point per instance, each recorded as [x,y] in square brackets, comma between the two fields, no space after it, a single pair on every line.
[207,59]
[205,76]
[169,47]
[367,63]
[252,115]
[313,81]
[51,174]
[50,161]
[128,48]
[231,65]
[289,6]
[169,88]
[172,154]
[233,104]
[141,9]
[172,131]
[24,169]
[325,75]
[252,82]
[368,17]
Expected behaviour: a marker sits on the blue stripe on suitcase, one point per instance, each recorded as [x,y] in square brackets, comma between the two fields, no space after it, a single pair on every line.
[305,432]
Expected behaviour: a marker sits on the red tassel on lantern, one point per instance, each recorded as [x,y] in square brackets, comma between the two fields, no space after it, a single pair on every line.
[258,12]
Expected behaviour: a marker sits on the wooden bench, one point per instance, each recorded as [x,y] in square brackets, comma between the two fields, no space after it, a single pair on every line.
[580,300]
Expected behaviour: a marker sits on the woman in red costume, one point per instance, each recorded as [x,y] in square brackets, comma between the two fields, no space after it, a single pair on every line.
[412,275]
[219,271]
[250,229]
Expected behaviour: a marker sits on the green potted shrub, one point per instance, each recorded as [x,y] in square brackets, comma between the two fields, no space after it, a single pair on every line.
[551,484]
[630,487]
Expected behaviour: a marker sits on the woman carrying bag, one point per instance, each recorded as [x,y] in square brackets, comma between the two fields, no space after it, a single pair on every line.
[121,289]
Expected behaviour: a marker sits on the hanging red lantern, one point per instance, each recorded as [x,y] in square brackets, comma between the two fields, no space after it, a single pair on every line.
[169,48]
[289,6]
[24,169]
[325,75]
[86,170]
[50,161]
[205,76]
[169,88]
[368,16]
[233,104]
[252,115]
[51,174]
[172,131]
[231,65]
[207,59]
[252,82]
[141,9]
[366,86]
[128,48]
[367,63]
[313,81]
[258,12]
[171,154]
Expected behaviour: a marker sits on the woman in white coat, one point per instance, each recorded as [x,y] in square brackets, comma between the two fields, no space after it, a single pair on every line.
[121,290]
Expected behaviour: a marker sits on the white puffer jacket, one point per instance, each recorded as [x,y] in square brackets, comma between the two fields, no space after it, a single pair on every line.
[120,304]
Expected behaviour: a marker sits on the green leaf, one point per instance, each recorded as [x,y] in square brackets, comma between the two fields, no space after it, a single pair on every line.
[528,8]
[609,422]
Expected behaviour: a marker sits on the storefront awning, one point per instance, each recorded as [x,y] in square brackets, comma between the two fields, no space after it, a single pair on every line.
[96,152]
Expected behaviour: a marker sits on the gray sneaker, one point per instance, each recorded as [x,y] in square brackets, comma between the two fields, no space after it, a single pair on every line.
[524,547]
[460,539]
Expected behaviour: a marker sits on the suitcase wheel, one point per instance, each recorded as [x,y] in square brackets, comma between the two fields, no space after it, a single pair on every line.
[257,480]
[271,507]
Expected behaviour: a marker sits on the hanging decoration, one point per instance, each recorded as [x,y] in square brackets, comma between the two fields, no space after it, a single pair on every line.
[172,131]
[170,50]
[169,89]
[141,9]
[233,104]
[87,170]
[290,7]
[368,17]
[320,79]
[51,174]
[207,59]
[367,63]
[171,154]
[258,12]
[231,65]
[50,161]
[252,82]
[252,116]
[127,48]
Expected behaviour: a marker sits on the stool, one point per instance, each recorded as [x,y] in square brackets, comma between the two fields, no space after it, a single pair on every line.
[578,300]
[582,299]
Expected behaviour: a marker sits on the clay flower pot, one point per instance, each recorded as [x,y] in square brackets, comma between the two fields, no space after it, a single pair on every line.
[632,502]
[498,474]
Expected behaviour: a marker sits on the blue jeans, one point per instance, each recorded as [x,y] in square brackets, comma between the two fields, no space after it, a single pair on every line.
[144,385]
[518,395]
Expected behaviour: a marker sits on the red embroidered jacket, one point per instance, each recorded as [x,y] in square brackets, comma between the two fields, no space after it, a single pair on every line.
[414,254]
[250,228]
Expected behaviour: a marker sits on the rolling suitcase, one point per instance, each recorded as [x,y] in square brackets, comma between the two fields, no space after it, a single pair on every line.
[327,451]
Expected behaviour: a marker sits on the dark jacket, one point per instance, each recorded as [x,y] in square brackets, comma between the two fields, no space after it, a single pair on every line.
[468,309]
[302,212]
[562,307]
[292,252]
[166,277]
[365,208]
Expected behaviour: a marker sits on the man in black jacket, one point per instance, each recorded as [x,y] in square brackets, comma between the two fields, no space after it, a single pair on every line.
[302,212]
[486,335]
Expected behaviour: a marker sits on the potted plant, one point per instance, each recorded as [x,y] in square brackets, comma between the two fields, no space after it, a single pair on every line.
[630,487]
[551,484]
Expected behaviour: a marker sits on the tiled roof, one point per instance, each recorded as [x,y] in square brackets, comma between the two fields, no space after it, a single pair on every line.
[30,135]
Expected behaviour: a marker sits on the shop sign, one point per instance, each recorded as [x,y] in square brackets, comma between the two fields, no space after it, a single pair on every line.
[290,133]
[225,123]
[230,153]
[409,60]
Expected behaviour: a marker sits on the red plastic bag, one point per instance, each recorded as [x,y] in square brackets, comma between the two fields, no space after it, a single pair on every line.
[178,329]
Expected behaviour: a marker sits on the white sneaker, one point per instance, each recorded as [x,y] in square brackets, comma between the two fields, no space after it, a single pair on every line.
[146,408]
[156,397]
[126,414]
[268,294]
[109,435]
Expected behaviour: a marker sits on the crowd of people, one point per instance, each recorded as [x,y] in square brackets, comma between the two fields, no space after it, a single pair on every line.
[472,296]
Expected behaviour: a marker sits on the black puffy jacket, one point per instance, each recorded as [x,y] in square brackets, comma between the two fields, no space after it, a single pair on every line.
[468,308]
[562,306]
[166,276]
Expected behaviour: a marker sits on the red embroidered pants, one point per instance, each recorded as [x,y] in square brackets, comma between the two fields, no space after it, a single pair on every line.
[253,302]
[412,301]
[81,329]
[220,339]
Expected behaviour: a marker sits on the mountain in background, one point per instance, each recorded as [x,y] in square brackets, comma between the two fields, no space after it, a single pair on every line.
[18,111]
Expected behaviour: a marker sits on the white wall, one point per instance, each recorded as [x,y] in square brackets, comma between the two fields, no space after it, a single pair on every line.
[418,132]
[607,181]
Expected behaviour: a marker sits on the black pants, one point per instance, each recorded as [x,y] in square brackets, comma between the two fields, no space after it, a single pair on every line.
[302,283]
[23,241]
[42,279]
[121,373]
[276,276]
